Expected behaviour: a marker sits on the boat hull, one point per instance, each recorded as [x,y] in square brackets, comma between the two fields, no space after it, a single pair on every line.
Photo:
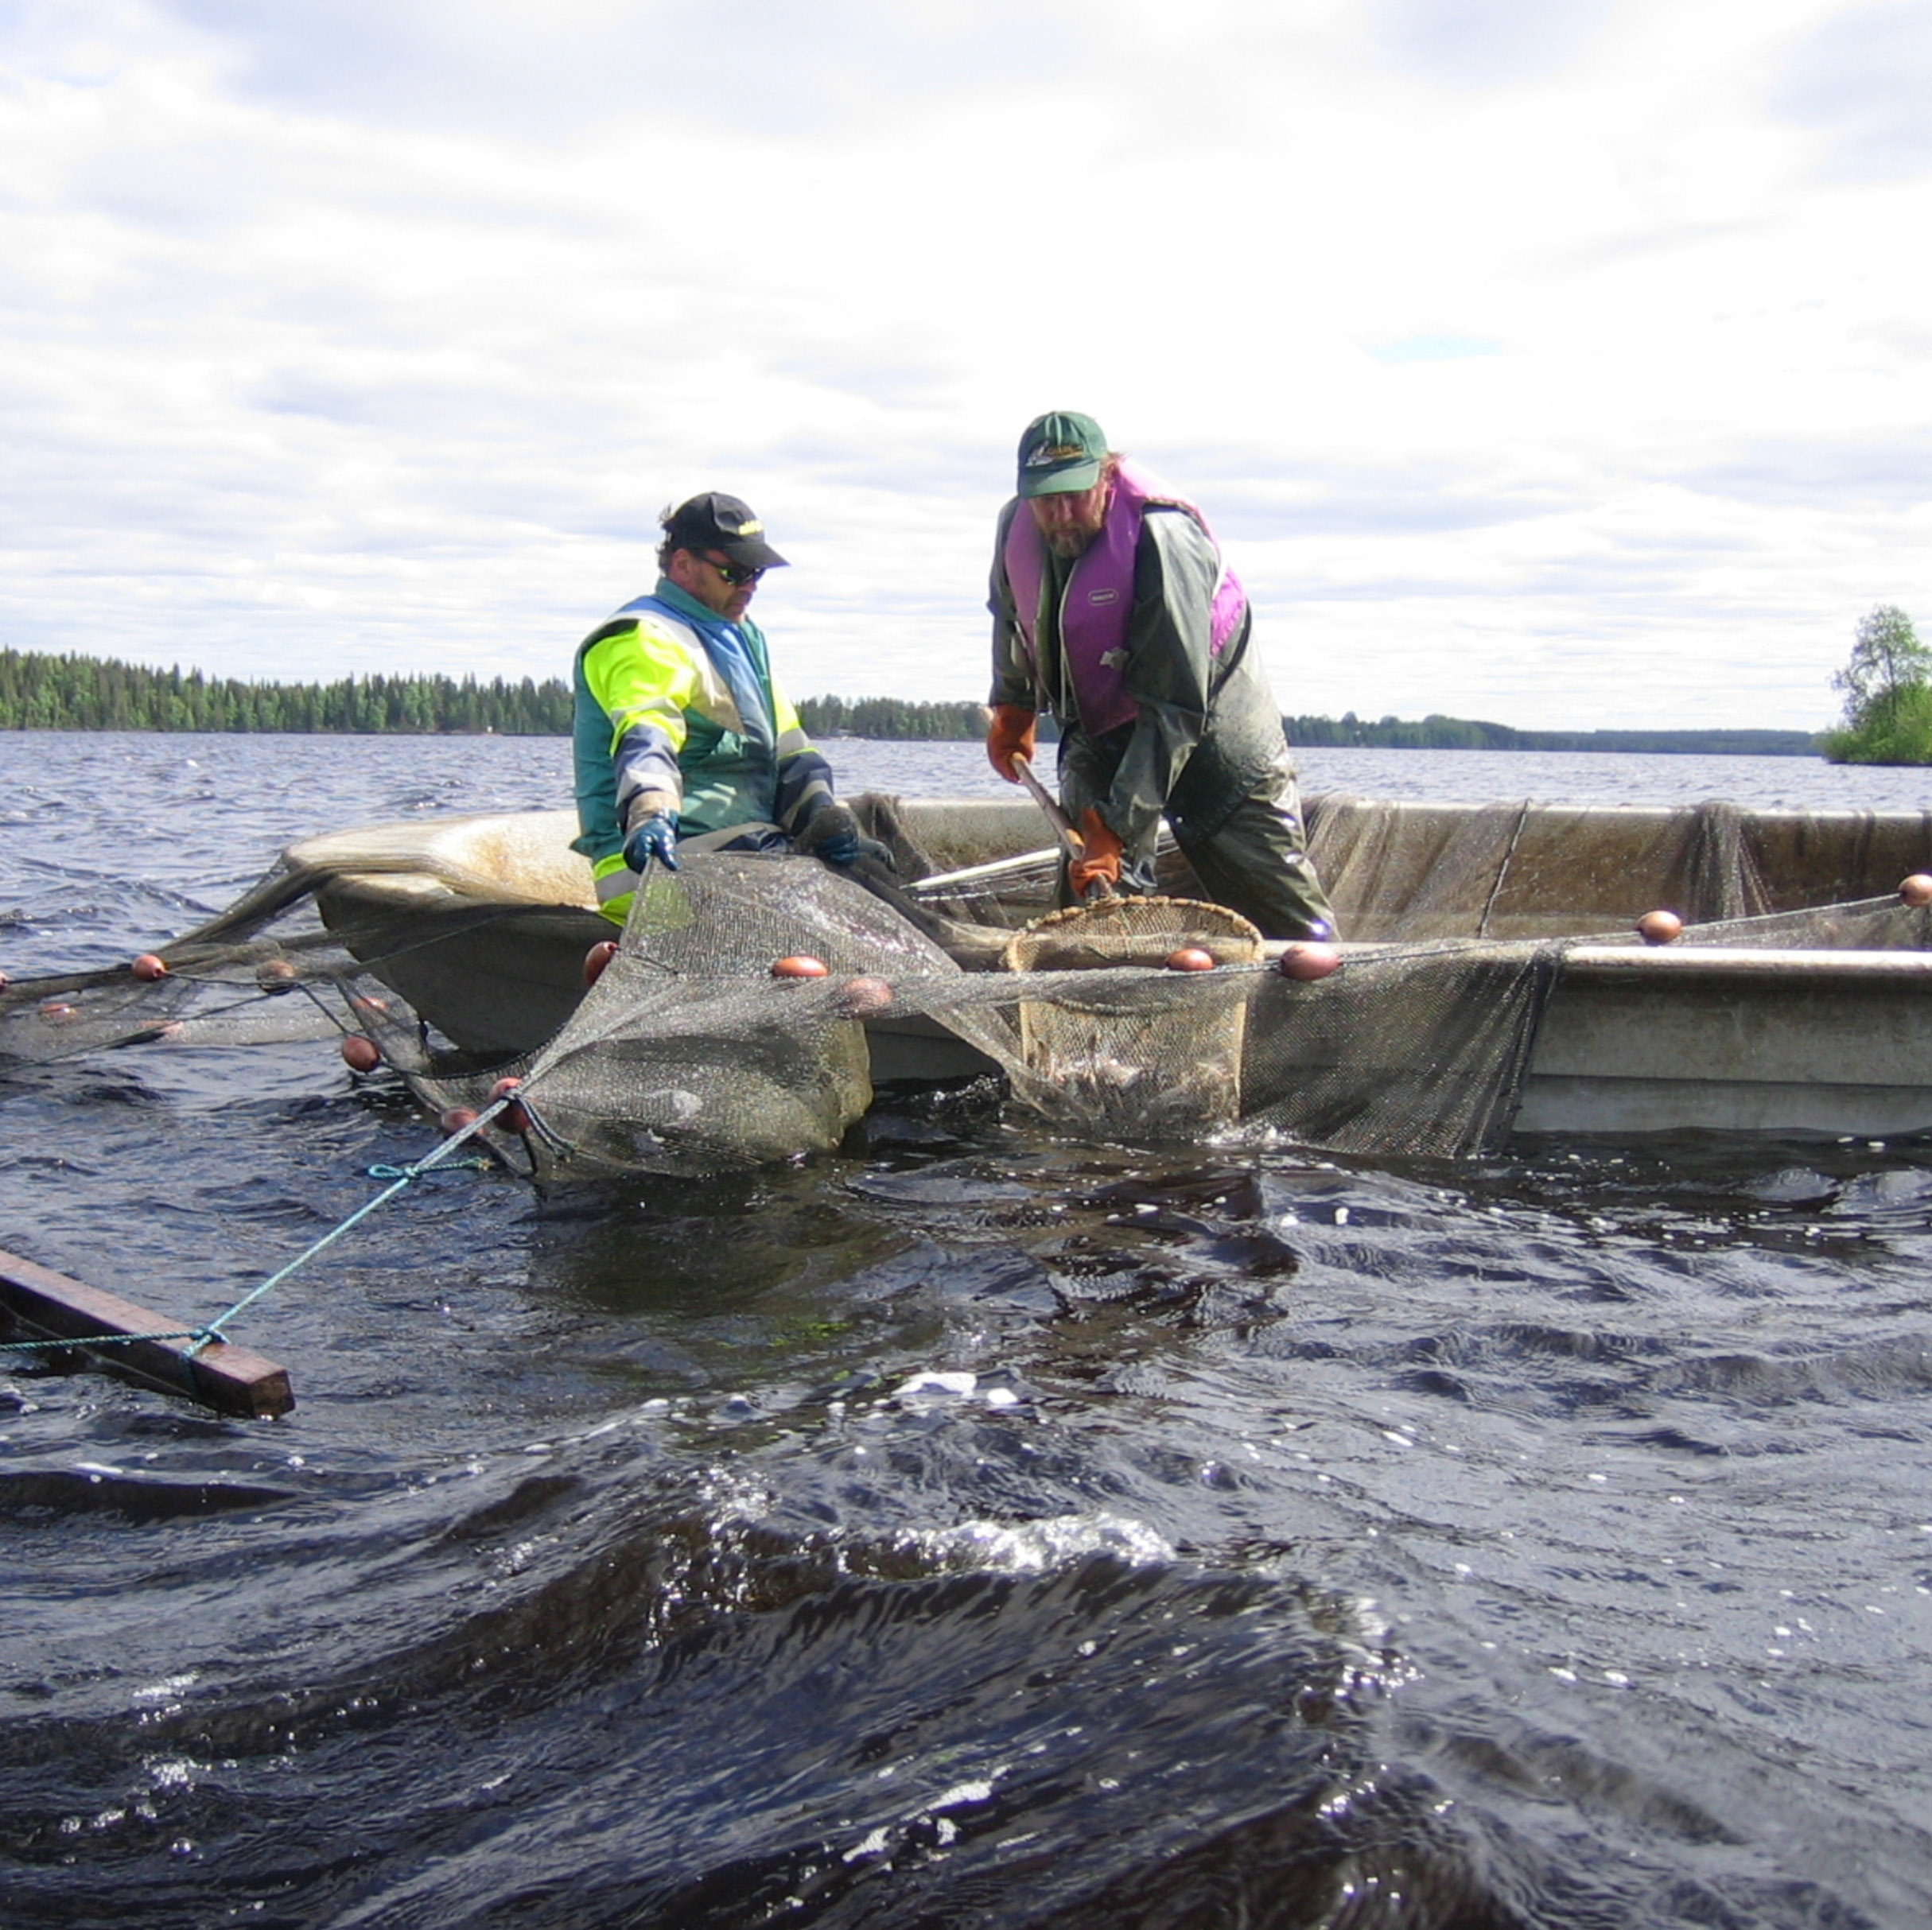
[1699,1039]
[483,925]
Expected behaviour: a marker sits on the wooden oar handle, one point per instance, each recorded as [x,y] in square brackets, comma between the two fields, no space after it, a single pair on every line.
[1076,844]
[1070,840]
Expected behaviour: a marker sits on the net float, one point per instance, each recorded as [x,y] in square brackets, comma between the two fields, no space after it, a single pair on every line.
[275,974]
[150,966]
[458,1119]
[1916,890]
[1659,927]
[802,966]
[514,1118]
[861,997]
[360,1054]
[1190,958]
[1308,961]
[596,958]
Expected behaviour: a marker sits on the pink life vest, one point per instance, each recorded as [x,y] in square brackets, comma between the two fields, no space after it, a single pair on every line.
[1099,597]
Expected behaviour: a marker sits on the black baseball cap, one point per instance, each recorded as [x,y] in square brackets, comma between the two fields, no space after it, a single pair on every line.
[715,521]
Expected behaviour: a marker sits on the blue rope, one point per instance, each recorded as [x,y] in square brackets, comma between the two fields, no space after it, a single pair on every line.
[207,1335]
[406,1176]
[104,1340]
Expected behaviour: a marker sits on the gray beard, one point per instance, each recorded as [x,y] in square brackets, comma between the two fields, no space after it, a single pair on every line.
[1071,542]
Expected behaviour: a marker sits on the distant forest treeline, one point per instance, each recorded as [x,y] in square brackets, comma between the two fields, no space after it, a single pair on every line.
[897,718]
[39,691]
[1440,733]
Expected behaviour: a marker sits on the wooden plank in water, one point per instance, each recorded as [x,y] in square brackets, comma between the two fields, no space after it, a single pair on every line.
[39,1304]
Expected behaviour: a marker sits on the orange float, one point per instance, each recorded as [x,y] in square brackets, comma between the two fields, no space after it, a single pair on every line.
[859,998]
[514,1118]
[1307,961]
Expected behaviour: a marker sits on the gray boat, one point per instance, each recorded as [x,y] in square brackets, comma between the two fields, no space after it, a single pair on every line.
[1798,1001]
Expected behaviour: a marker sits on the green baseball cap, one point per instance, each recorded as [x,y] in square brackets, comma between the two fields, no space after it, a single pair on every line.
[1060,453]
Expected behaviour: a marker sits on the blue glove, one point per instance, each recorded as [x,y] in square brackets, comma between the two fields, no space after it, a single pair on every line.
[656,837]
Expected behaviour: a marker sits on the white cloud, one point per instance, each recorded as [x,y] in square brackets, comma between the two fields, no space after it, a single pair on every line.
[1864,75]
[1548,363]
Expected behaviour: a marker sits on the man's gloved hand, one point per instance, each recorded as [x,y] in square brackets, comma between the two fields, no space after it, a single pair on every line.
[1100,864]
[849,848]
[833,835]
[654,837]
[1010,735]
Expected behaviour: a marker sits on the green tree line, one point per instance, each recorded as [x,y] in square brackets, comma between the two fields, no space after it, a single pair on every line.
[897,718]
[1436,733]
[42,691]
[39,691]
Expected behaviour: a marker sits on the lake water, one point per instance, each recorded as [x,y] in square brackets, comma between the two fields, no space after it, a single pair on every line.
[973,1529]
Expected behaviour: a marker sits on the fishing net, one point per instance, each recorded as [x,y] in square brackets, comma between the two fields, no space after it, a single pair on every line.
[689,1056]
[1863,925]
[457,961]
[1418,872]
[269,971]
[230,995]
[1136,1064]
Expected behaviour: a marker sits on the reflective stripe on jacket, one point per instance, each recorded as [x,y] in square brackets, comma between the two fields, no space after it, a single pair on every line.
[678,710]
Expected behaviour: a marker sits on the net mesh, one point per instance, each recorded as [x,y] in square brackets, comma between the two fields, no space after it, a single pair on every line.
[1526,870]
[689,1056]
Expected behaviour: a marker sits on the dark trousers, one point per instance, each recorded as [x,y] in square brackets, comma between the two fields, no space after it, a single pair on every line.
[1255,863]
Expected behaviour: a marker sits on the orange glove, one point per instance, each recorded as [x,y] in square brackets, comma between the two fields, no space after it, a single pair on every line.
[1101,865]
[1009,734]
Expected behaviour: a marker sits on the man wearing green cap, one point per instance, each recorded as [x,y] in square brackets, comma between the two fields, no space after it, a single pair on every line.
[1113,610]
[683,738]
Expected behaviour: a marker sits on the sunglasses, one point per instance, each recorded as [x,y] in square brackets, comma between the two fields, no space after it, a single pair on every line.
[737,575]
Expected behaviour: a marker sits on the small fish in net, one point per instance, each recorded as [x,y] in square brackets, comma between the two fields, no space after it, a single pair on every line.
[1141,1063]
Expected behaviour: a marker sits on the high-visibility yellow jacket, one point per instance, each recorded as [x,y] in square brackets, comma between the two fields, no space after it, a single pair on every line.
[677,710]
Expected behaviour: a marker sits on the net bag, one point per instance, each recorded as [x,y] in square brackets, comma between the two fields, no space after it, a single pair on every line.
[1140,1061]
[697,1051]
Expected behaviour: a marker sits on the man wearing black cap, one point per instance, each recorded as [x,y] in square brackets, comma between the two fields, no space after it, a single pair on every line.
[682,736]
[1112,609]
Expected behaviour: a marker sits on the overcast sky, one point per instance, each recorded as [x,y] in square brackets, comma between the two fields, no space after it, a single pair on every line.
[1562,362]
